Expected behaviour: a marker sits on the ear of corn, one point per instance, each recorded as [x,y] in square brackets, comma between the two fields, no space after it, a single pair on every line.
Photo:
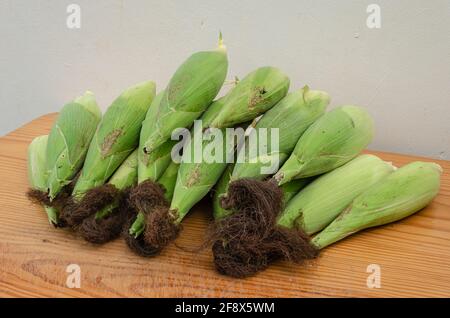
[190,91]
[292,116]
[168,180]
[195,180]
[400,194]
[254,95]
[331,141]
[116,137]
[124,177]
[68,141]
[319,203]
[37,171]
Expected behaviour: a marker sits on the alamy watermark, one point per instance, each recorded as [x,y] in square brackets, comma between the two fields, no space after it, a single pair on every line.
[74,278]
[73,20]
[374,18]
[228,145]
[374,279]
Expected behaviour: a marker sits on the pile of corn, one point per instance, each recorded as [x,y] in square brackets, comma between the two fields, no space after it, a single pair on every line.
[90,167]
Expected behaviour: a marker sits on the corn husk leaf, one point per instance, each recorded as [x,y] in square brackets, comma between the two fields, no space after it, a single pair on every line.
[37,171]
[292,116]
[400,194]
[116,137]
[168,180]
[68,141]
[196,179]
[293,187]
[190,91]
[152,165]
[334,139]
[316,206]
[254,95]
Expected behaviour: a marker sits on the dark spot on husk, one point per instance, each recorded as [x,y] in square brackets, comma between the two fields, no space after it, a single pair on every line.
[177,87]
[193,177]
[109,141]
[145,157]
[352,122]
[257,97]
[249,240]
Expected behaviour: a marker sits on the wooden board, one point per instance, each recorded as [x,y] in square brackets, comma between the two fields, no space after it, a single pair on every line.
[413,254]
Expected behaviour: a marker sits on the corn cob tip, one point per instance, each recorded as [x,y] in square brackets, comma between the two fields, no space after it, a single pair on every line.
[221,45]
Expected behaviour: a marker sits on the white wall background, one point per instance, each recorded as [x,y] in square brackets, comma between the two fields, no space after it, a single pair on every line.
[400,72]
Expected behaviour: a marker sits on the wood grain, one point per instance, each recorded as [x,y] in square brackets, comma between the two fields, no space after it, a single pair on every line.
[413,254]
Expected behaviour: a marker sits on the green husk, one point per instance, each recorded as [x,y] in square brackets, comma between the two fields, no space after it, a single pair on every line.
[169,179]
[195,180]
[152,165]
[124,177]
[400,194]
[37,172]
[330,142]
[252,96]
[293,187]
[190,91]
[138,226]
[316,206]
[68,141]
[292,116]
[116,137]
